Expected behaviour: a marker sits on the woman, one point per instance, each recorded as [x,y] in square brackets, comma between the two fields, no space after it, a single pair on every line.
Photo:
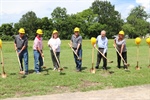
[120,44]
[54,44]
[37,49]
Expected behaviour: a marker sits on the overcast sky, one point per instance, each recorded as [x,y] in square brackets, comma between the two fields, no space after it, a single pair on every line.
[12,10]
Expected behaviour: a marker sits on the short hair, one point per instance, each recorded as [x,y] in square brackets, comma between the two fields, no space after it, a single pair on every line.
[103,31]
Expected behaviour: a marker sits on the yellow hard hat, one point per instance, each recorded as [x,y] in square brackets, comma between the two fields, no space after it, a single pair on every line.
[148,41]
[21,30]
[76,29]
[0,43]
[55,31]
[39,31]
[121,32]
[138,40]
[93,40]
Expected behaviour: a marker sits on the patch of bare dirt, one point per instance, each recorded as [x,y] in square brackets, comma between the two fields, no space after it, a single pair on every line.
[86,84]
[60,89]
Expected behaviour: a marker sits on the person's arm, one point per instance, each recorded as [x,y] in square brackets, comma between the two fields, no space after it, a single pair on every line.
[71,42]
[25,46]
[41,53]
[114,43]
[50,44]
[38,48]
[15,44]
[105,46]
[79,44]
[122,46]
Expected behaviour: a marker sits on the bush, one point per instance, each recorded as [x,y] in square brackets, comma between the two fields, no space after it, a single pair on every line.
[6,38]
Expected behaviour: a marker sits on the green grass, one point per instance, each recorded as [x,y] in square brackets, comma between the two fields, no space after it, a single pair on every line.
[71,81]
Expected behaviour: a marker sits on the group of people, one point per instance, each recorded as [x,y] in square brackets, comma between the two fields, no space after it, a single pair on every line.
[21,47]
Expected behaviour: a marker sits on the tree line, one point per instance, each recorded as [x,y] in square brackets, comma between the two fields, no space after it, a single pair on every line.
[100,16]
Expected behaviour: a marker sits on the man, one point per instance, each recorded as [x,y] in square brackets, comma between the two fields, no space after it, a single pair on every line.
[102,42]
[37,49]
[21,46]
[76,44]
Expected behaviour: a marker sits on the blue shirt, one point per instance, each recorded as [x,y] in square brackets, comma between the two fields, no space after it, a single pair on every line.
[102,42]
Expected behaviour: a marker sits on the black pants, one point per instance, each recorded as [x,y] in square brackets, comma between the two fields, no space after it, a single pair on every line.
[55,64]
[124,55]
[99,56]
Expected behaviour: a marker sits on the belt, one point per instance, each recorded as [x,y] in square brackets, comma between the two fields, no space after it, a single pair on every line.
[100,48]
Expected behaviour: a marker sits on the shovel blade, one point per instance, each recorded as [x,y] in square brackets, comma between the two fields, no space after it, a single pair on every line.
[92,70]
[111,61]
[60,69]
[4,75]
[44,67]
[137,68]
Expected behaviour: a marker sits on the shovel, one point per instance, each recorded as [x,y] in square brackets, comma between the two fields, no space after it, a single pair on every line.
[92,70]
[21,72]
[75,52]
[122,58]
[149,57]
[3,71]
[137,57]
[43,64]
[59,69]
[103,55]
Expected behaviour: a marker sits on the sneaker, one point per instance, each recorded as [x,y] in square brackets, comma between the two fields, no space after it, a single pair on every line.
[38,73]
[26,73]
[78,70]
[54,69]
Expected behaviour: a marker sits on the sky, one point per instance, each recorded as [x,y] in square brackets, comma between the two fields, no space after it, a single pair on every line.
[12,10]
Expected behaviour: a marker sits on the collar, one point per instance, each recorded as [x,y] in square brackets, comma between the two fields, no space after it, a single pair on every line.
[38,37]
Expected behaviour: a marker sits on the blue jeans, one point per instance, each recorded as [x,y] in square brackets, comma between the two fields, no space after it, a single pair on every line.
[77,61]
[38,61]
[24,54]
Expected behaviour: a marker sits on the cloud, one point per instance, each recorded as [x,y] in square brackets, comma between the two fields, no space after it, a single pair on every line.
[145,4]
[12,10]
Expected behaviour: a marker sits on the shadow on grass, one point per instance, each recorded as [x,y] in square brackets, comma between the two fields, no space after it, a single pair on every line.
[31,71]
[22,76]
[84,68]
[12,73]
[65,67]
[61,73]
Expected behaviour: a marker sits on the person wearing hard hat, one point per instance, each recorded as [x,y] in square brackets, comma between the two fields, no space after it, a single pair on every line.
[38,53]
[21,46]
[102,43]
[120,44]
[54,44]
[76,44]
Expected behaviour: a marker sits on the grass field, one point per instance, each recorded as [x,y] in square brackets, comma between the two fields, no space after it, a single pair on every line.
[50,82]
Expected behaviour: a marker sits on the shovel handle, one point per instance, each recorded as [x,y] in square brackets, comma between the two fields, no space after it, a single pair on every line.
[74,51]
[121,56]
[56,58]
[19,61]
[2,61]
[103,55]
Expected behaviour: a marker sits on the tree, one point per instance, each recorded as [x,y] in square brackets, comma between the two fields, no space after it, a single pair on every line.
[137,21]
[6,31]
[28,21]
[59,16]
[107,16]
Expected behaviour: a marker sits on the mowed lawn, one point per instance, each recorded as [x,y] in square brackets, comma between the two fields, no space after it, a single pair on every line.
[51,82]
